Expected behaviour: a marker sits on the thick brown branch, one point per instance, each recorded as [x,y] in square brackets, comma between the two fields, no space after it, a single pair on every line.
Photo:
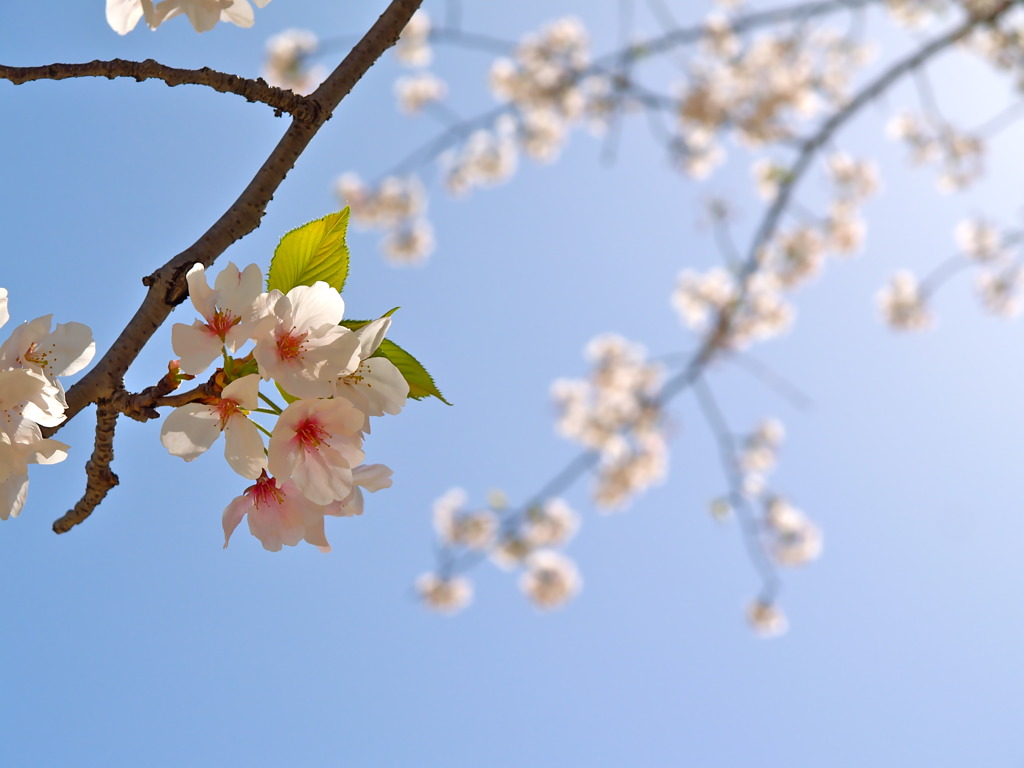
[167,286]
[300,107]
[99,477]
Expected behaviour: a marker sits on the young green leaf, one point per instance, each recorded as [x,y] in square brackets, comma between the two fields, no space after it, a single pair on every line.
[315,251]
[421,384]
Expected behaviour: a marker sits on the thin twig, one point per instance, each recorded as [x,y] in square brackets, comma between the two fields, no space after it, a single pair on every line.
[99,477]
[301,108]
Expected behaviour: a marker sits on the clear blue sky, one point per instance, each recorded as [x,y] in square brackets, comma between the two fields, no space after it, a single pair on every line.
[135,640]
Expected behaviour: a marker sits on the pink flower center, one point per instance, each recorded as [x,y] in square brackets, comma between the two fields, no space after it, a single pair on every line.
[36,356]
[222,322]
[225,410]
[310,434]
[289,345]
[266,492]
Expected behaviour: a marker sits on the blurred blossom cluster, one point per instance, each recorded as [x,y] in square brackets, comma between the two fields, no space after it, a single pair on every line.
[931,140]
[32,360]
[332,385]
[737,313]
[398,206]
[525,541]
[286,63]
[616,413]
[761,89]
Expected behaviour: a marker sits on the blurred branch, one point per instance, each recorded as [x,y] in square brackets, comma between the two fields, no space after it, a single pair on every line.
[301,108]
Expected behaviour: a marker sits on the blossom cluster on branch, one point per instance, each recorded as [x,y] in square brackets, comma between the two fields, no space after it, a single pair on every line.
[32,360]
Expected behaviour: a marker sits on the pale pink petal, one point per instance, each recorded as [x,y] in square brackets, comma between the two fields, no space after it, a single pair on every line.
[72,348]
[244,391]
[13,491]
[372,477]
[233,514]
[371,335]
[48,451]
[243,447]
[239,13]
[190,430]
[123,15]
[315,305]
[196,346]
[276,524]
[237,291]
[199,292]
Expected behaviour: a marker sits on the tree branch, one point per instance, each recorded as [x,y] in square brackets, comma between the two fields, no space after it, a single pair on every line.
[301,108]
[99,477]
[167,285]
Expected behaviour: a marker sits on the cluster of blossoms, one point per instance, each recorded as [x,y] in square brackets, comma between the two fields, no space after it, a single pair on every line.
[549,89]
[760,89]
[904,305]
[791,538]
[313,465]
[616,413]
[752,311]
[31,396]
[999,280]
[526,541]
[286,64]
[397,206]
[932,140]
[793,256]
[123,15]
[915,13]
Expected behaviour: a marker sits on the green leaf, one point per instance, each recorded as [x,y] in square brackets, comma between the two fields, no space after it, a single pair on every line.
[421,384]
[315,251]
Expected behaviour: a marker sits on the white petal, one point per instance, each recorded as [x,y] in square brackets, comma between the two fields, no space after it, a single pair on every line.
[240,13]
[244,391]
[313,306]
[73,348]
[123,15]
[196,346]
[190,430]
[49,451]
[372,477]
[200,293]
[4,314]
[243,447]
[13,491]
[371,335]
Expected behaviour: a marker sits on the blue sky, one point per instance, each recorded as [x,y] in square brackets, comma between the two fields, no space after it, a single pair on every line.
[136,640]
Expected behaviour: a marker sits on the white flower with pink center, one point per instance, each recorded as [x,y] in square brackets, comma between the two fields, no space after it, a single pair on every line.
[300,343]
[279,515]
[190,430]
[61,352]
[316,443]
[376,387]
[228,311]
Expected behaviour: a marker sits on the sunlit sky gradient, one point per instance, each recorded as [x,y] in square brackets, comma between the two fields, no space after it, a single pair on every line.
[135,640]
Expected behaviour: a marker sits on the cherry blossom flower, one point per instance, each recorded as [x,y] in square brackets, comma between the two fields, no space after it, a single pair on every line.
[21,444]
[551,579]
[190,430]
[299,342]
[445,595]
[766,619]
[458,526]
[228,312]
[123,15]
[278,514]
[376,387]
[61,352]
[317,443]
